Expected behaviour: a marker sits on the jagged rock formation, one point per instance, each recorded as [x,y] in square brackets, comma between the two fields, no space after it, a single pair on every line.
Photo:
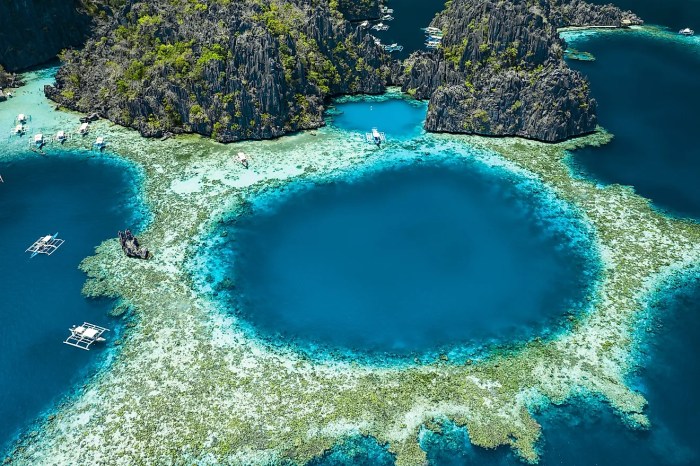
[359,10]
[255,69]
[500,70]
[130,245]
[34,31]
[234,70]
[580,13]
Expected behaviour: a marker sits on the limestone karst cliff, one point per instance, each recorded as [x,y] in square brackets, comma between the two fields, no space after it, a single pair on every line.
[500,70]
[255,69]
[231,70]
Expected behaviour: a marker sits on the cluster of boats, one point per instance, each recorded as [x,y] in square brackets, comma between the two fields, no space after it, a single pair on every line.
[380,26]
[39,141]
[433,37]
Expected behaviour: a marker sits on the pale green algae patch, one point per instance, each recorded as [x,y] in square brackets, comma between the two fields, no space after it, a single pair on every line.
[188,386]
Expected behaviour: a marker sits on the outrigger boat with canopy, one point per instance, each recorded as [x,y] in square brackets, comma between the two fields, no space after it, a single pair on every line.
[45,245]
[82,336]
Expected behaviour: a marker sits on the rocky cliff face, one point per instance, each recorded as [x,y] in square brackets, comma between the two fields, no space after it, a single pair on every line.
[500,70]
[253,69]
[580,13]
[34,31]
[230,69]
[359,10]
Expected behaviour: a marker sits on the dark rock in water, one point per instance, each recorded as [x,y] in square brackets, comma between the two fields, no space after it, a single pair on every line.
[90,118]
[8,80]
[233,70]
[500,70]
[130,245]
[34,31]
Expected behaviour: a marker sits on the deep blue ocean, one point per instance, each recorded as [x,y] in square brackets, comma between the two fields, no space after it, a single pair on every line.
[85,200]
[647,93]
[676,14]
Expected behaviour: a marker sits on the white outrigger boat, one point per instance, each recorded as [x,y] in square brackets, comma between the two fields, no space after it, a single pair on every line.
[82,336]
[432,31]
[39,140]
[243,159]
[380,27]
[22,118]
[61,137]
[386,10]
[99,143]
[19,130]
[686,32]
[45,245]
[393,47]
[84,129]
[375,137]
[387,18]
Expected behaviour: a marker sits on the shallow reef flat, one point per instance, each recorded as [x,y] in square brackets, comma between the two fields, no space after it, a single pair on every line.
[188,385]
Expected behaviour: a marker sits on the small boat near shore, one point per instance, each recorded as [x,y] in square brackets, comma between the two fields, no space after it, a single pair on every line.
[100,143]
[375,137]
[243,159]
[393,48]
[686,32]
[82,336]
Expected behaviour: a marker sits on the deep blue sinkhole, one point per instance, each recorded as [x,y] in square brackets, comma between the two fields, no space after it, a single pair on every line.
[406,260]
[86,201]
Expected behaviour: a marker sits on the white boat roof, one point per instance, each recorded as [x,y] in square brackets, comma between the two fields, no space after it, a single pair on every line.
[84,125]
[90,333]
[61,133]
[38,137]
[46,238]
[18,127]
[21,116]
[100,140]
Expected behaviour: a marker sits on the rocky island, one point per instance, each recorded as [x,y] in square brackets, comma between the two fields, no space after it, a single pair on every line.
[261,69]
